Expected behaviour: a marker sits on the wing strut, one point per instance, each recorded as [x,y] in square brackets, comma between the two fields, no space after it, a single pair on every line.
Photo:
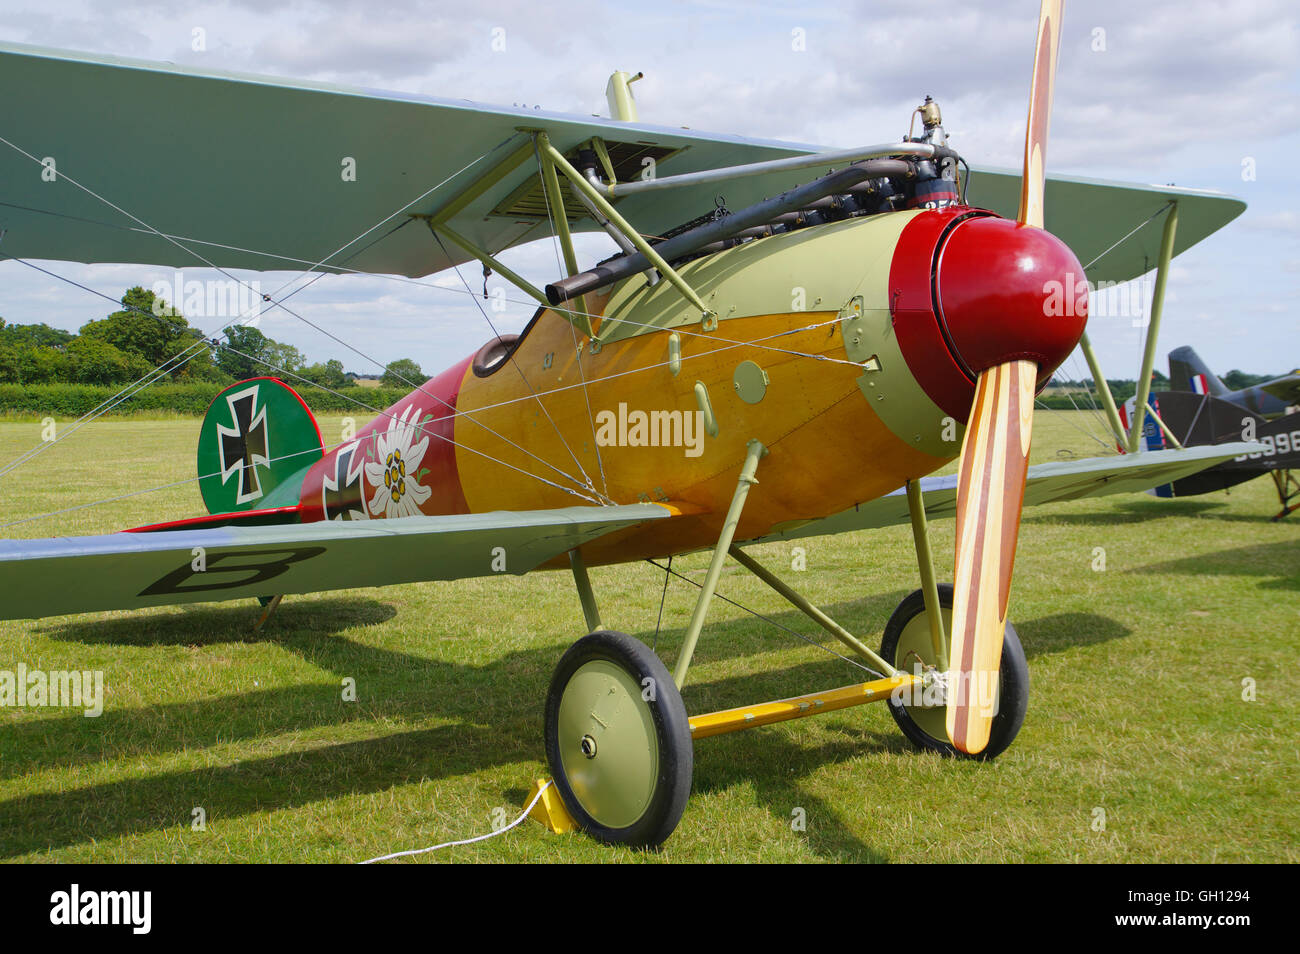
[556,160]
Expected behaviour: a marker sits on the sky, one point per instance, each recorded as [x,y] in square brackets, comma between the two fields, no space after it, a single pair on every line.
[1198,94]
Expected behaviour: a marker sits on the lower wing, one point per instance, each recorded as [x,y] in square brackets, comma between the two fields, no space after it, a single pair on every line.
[134,570]
[1047,483]
[125,571]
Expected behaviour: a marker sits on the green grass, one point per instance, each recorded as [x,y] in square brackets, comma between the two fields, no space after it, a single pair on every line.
[1135,708]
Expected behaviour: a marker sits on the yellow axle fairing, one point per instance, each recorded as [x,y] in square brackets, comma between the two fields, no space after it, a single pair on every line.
[799,707]
[823,387]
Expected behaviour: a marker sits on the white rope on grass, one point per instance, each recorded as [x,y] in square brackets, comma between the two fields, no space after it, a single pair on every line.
[463,841]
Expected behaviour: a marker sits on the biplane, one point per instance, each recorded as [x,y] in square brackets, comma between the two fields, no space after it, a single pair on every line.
[1199,409]
[799,360]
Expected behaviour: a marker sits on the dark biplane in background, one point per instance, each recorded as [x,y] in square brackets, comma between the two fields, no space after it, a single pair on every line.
[1200,410]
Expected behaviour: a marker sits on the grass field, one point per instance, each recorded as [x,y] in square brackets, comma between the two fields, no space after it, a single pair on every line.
[1136,712]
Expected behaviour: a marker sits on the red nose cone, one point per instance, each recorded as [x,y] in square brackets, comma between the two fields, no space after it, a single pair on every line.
[1006,292]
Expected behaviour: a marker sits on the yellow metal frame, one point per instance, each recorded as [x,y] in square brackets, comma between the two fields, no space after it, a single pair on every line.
[799,707]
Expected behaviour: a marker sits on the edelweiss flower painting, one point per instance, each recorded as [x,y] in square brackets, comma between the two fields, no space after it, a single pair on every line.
[393,475]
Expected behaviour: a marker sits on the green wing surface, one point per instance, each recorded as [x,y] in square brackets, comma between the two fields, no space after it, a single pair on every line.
[1286,388]
[250,172]
[133,570]
[1047,483]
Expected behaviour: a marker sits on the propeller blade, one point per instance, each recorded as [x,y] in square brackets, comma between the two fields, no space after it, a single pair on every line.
[1040,112]
[990,491]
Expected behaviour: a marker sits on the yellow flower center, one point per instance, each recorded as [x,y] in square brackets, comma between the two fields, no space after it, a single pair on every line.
[395,475]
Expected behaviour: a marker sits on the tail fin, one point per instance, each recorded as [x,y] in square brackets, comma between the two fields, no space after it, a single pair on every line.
[1187,372]
[256,443]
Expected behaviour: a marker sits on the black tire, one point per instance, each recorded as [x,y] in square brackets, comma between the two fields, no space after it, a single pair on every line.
[1013,682]
[669,778]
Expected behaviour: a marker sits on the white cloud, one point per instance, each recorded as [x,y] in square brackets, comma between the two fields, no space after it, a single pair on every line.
[1284,220]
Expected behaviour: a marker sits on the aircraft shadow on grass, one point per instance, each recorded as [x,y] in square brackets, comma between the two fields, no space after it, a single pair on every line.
[397,685]
[1276,564]
[1133,511]
[1141,511]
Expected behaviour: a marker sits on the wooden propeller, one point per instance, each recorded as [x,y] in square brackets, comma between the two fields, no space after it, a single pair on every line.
[994,461]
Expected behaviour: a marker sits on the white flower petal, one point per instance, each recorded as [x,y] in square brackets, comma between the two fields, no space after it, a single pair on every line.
[413,456]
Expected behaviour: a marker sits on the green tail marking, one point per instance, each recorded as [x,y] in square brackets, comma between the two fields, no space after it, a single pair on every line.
[257,437]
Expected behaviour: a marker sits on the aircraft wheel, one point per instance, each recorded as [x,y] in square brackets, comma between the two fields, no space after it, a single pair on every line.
[618,740]
[907,642]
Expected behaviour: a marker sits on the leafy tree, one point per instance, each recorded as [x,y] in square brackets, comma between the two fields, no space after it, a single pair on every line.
[92,361]
[330,374]
[1236,380]
[283,356]
[402,373]
[335,377]
[24,363]
[39,336]
[144,327]
[146,333]
[198,363]
[245,349]
[10,372]
[248,353]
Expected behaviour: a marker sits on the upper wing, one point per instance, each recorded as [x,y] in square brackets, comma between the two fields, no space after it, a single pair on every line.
[1047,483]
[133,570]
[248,172]
[1285,388]
[1093,215]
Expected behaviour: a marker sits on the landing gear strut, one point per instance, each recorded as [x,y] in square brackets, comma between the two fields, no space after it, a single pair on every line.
[1288,489]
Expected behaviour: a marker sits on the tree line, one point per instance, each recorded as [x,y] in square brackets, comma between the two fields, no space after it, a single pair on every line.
[146,333]
[1122,389]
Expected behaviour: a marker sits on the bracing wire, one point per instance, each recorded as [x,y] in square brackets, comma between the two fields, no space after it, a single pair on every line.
[767,619]
[364,406]
[278,303]
[420,428]
[514,361]
[573,331]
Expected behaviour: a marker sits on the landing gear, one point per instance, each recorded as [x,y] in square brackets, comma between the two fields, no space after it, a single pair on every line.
[618,740]
[907,645]
[1288,489]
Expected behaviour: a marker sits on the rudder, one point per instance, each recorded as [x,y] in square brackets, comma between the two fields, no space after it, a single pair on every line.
[1187,372]
[256,443]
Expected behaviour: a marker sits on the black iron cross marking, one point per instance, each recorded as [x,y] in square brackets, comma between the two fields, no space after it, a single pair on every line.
[243,447]
[341,494]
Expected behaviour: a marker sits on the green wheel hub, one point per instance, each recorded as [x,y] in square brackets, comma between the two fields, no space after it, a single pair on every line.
[608,745]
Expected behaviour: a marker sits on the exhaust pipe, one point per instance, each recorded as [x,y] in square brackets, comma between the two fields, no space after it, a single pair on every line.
[759,214]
